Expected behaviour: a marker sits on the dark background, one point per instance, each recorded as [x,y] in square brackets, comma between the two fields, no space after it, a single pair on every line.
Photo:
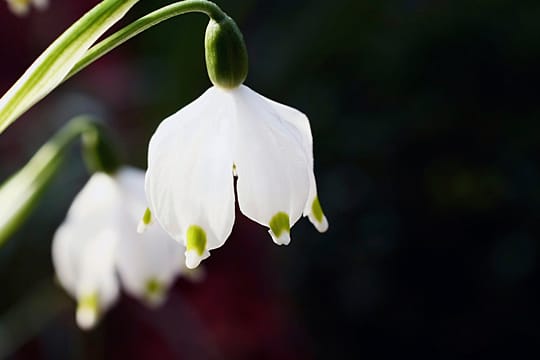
[425,123]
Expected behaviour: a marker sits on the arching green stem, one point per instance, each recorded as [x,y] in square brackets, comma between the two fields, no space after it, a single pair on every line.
[19,194]
[144,23]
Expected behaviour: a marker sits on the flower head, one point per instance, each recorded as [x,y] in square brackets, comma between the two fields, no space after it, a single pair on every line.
[194,154]
[22,7]
[98,240]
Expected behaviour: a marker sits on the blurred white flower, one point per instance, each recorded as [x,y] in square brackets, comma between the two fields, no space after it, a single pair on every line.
[22,7]
[98,240]
[194,153]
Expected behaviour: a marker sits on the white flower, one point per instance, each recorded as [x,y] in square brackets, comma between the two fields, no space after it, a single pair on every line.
[22,7]
[98,240]
[192,157]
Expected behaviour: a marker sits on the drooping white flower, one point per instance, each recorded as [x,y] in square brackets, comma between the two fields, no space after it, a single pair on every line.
[22,7]
[98,240]
[194,153]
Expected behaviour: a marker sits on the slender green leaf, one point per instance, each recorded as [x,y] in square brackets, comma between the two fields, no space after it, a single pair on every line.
[51,67]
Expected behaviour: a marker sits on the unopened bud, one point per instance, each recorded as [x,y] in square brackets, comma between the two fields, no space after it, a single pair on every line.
[226,54]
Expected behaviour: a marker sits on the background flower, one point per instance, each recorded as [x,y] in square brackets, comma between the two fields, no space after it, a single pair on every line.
[22,7]
[98,240]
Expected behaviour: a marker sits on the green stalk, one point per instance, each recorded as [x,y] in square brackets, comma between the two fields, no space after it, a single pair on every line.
[51,67]
[19,194]
[71,52]
[144,23]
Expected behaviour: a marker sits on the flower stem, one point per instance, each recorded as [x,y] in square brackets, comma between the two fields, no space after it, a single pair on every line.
[144,23]
[20,193]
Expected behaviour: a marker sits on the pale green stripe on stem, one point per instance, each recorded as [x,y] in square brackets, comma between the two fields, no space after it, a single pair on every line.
[51,67]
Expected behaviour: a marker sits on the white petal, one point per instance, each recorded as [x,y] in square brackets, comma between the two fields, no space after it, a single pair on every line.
[97,268]
[84,245]
[87,316]
[299,120]
[319,221]
[131,184]
[282,239]
[141,227]
[194,258]
[189,182]
[272,165]
[147,263]
[99,198]
[83,256]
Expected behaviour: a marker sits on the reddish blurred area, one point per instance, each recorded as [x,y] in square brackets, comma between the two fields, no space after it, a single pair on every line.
[24,38]
[235,312]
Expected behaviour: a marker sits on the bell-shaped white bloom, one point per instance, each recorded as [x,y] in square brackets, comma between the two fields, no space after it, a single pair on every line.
[98,240]
[194,154]
[22,7]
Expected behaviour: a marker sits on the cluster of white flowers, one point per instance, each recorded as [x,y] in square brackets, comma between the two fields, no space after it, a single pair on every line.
[193,158]
[98,245]
[22,7]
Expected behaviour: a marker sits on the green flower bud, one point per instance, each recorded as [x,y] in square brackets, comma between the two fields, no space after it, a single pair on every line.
[226,54]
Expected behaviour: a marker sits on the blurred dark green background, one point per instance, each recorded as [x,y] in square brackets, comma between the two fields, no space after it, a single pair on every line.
[425,123]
